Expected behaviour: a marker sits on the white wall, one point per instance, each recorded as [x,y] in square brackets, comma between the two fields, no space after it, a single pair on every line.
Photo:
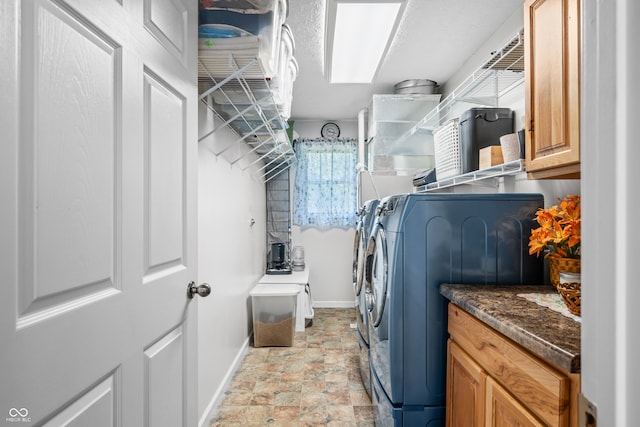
[231,258]
[328,256]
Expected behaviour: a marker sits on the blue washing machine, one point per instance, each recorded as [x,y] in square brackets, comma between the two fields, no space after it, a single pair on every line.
[418,242]
[366,217]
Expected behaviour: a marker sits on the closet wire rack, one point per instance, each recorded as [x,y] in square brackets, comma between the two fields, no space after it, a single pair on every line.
[235,89]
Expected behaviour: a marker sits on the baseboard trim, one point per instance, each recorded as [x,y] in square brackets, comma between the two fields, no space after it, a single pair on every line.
[334,304]
[218,396]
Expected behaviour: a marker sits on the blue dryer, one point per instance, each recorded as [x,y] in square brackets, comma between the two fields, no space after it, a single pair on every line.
[366,216]
[418,242]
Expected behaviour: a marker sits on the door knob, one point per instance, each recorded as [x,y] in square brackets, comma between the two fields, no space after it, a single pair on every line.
[203,290]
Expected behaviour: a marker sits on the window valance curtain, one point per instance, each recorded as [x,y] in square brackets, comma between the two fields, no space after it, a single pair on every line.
[325,193]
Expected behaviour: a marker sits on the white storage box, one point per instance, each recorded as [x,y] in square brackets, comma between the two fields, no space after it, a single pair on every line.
[274,314]
[264,44]
[241,6]
[286,51]
[391,117]
[288,80]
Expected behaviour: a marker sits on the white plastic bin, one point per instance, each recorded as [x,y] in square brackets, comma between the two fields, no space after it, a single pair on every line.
[274,314]
[264,44]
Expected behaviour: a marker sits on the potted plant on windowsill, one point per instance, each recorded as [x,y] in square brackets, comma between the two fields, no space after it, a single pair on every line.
[558,237]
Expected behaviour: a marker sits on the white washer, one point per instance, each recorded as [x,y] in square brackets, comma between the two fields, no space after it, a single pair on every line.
[304,304]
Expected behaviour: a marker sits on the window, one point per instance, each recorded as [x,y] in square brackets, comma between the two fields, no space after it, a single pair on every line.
[326,183]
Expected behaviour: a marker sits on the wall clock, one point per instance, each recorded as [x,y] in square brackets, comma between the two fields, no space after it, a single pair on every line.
[330,130]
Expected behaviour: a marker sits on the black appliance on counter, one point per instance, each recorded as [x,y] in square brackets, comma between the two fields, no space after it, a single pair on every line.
[278,260]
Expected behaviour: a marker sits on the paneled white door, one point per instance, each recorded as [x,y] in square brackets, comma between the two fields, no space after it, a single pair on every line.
[98,160]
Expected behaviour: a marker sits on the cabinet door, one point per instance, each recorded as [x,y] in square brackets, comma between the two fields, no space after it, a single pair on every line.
[503,410]
[465,389]
[552,88]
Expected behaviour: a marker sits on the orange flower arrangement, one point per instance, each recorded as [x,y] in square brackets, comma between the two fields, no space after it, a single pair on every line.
[559,232]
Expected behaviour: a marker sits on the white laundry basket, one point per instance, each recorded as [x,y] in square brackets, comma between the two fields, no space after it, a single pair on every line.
[446,142]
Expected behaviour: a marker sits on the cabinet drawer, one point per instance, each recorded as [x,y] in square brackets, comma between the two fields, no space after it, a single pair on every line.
[538,386]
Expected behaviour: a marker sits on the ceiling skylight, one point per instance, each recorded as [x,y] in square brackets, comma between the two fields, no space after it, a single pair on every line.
[358,34]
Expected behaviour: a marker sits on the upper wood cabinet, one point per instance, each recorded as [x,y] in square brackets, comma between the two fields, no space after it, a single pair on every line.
[552,88]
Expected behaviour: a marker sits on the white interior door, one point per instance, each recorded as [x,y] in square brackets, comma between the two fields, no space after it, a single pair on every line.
[98,212]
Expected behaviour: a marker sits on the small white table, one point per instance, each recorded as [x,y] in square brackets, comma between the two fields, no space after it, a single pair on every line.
[300,278]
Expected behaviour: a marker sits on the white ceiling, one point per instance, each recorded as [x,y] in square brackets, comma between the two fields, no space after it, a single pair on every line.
[434,38]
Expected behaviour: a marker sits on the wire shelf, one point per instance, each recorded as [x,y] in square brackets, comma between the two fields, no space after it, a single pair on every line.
[234,87]
[505,169]
[500,73]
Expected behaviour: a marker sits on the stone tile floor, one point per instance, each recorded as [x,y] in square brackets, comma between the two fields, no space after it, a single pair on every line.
[315,382]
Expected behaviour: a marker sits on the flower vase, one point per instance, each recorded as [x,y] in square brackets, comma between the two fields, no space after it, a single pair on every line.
[556,265]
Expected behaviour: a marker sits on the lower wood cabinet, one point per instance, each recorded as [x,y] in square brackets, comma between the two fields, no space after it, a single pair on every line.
[492,381]
[502,409]
[466,385]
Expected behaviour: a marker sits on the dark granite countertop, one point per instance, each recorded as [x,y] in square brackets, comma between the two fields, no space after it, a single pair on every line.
[546,333]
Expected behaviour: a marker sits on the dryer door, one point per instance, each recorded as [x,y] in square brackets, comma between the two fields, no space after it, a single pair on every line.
[362,254]
[358,256]
[376,275]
